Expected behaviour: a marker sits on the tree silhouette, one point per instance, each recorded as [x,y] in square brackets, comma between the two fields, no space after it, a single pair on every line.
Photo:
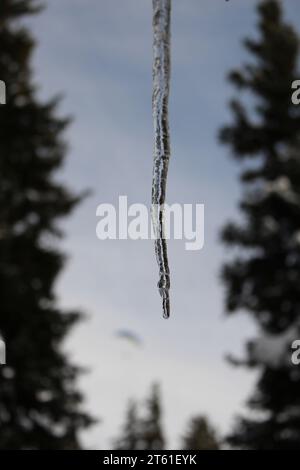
[40,406]
[130,438]
[152,434]
[143,432]
[264,278]
[200,435]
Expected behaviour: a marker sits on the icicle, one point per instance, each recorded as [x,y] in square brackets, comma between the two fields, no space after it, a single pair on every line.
[161,79]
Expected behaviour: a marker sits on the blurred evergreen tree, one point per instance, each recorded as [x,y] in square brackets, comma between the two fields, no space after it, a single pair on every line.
[264,278]
[40,406]
[130,438]
[200,435]
[143,432]
[152,433]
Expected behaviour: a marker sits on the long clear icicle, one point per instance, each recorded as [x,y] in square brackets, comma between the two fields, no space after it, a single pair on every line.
[160,98]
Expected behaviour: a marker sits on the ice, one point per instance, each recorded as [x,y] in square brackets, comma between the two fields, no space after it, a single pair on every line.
[161,82]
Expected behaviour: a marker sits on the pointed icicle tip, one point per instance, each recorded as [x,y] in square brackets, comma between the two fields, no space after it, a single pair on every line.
[166,303]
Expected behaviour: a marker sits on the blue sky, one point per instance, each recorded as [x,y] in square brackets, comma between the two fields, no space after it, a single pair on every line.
[99,54]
